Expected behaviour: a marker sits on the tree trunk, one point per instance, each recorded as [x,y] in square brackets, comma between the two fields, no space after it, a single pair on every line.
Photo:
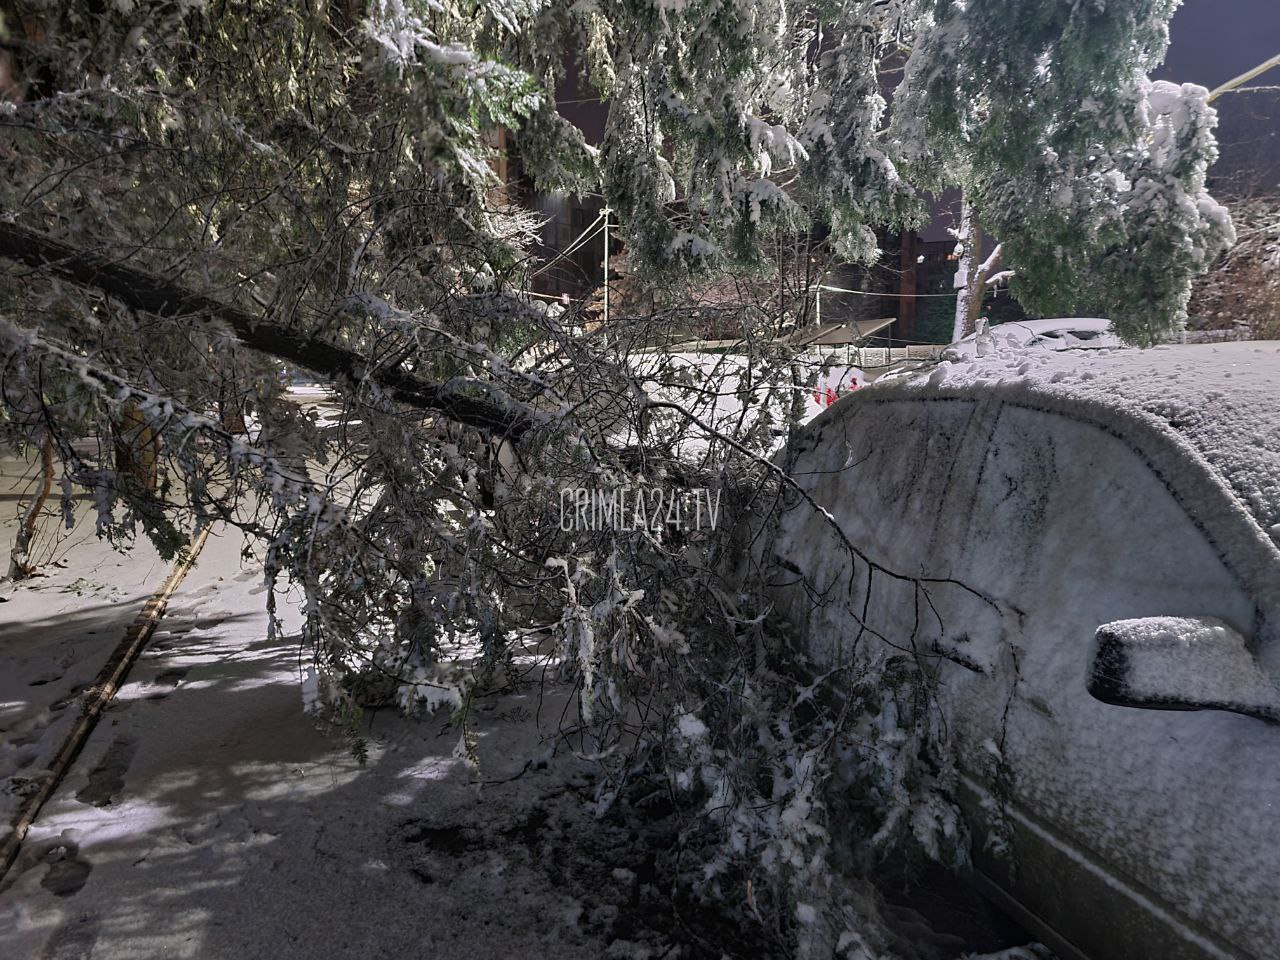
[137,449]
[907,286]
[972,277]
[967,304]
[20,564]
[231,409]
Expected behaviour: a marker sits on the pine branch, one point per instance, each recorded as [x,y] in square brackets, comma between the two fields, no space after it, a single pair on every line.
[148,293]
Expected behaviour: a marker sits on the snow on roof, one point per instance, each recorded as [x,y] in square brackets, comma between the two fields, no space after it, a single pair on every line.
[1206,417]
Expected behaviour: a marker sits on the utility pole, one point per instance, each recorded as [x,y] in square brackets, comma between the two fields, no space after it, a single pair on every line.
[907,285]
[606,211]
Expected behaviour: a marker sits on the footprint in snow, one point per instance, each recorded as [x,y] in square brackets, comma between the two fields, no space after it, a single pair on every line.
[106,780]
[67,872]
[166,682]
[74,940]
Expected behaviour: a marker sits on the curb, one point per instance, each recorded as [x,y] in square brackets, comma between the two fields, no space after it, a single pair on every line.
[95,697]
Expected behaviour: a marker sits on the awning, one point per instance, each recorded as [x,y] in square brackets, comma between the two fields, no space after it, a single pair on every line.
[841,334]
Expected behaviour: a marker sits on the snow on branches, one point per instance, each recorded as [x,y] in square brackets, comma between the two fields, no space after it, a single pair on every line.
[1091,176]
[195,208]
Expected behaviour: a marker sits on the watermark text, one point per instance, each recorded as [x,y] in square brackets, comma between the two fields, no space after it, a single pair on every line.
[654,509]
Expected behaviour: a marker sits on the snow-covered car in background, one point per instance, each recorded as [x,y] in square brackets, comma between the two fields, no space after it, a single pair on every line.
[1103,624]
[728,391]
[1060,333]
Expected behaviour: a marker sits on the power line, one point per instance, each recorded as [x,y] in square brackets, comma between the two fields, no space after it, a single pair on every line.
[588,232]
[872,293]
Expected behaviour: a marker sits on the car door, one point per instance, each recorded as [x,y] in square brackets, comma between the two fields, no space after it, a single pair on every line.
[1119,834]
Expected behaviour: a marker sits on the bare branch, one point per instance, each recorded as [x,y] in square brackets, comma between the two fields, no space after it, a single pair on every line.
[1245,77]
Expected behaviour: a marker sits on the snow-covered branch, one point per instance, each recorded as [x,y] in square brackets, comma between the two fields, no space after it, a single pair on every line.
[148,293]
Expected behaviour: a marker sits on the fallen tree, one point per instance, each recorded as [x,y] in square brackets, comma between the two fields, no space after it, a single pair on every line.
[148,293]
[188,199]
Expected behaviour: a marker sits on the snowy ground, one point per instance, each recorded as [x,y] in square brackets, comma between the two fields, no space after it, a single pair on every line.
[209,817]
[56,631]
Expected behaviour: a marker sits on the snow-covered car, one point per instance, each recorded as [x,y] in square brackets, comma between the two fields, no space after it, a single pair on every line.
[729,391]
[1091,560]
[1060,333]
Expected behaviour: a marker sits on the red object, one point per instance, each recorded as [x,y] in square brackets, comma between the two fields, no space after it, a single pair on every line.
[826,396]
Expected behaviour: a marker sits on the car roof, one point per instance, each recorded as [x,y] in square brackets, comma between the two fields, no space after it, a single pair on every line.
[1206,417]
[1038,328]
[1057,324]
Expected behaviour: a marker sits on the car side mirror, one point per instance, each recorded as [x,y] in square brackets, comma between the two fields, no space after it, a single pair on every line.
[1180,663]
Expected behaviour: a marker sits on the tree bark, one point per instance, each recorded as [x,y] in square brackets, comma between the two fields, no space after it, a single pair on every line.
[148,293]
[973,275]
[971,239]
[907,286]
[20,565]
[137,449]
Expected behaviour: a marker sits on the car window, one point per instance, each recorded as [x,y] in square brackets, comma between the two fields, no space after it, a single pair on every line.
[893,475]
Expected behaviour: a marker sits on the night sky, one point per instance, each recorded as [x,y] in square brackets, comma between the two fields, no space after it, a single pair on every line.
[1213,41]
